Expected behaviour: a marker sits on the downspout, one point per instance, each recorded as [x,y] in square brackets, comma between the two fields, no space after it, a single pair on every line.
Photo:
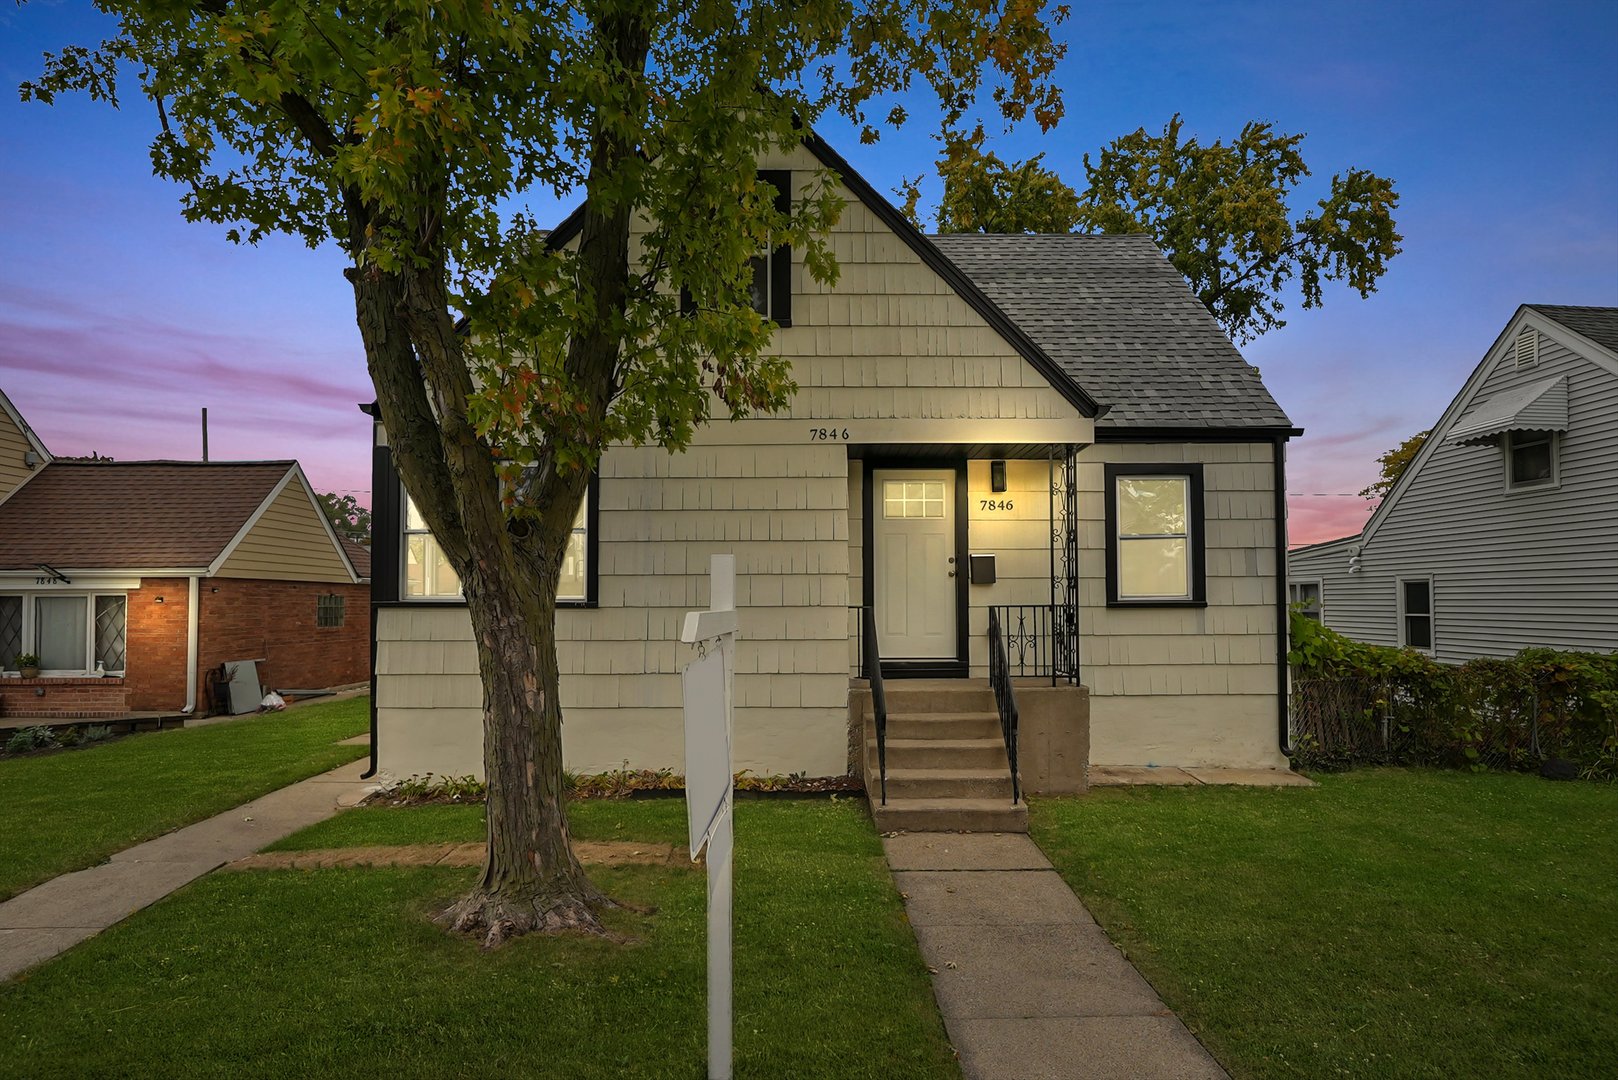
[191,621]
[1282,612]
[369,773]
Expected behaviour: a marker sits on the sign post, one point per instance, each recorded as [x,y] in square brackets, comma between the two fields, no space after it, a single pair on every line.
[707,683]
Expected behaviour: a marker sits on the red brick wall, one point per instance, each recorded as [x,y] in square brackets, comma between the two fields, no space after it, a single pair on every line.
[274,622]
[155,644]
[63,698]
[240,619]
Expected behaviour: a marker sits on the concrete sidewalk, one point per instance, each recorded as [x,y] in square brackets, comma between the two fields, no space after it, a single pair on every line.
[1029,985]
[53,917]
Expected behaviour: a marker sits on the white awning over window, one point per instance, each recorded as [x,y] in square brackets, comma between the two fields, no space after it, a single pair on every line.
[1539,406]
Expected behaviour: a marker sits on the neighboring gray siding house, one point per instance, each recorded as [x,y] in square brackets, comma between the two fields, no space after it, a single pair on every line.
[1063,403]
[1503,532]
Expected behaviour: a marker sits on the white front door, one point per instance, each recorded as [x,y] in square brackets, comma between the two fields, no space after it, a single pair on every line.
[913,533]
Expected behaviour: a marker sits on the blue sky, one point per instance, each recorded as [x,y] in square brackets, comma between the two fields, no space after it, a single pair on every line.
[1498,121]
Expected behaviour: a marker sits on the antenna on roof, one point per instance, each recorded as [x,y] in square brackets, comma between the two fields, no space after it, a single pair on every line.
[205,433]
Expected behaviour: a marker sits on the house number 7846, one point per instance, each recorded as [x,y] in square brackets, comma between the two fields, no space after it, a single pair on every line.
[824,434]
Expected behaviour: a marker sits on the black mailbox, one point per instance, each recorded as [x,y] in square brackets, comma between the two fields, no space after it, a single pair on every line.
[982,569]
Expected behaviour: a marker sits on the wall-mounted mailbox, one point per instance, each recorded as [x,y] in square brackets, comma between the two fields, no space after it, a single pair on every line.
[982,569]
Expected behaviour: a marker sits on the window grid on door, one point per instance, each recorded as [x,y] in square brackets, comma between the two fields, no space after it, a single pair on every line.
[913,498]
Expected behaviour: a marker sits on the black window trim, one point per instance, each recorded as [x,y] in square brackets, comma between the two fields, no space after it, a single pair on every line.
[388,519]
[1199,561]
[780,257]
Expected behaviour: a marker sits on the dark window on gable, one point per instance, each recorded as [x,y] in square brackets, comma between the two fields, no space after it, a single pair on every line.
[1416,613]
[770,285]
[1531,458]
[330,609]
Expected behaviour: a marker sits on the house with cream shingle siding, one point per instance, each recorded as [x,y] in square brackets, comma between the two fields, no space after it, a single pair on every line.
[133,582]
[1503,532]
[1048,427]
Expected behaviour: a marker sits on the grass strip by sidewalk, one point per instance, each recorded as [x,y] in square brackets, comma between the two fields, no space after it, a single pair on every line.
[339,972]
[67,811]
[1389,923]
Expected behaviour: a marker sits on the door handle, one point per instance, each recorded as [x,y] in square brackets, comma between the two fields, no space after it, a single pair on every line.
[952,573]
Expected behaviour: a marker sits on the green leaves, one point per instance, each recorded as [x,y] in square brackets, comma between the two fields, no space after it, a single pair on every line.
[1220,212]
[1394,463]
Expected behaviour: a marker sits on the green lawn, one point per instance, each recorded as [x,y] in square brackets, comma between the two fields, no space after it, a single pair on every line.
[1388,923]
[338,972]
[646,820]
[71,810]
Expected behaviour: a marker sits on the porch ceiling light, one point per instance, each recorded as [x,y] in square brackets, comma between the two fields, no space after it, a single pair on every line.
[997,476]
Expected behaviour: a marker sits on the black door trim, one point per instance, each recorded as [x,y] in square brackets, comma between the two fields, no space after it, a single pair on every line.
[960,667]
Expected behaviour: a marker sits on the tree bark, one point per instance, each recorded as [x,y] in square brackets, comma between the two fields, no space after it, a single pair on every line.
[531,880]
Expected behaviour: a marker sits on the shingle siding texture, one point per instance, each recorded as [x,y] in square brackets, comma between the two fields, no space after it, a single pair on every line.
[1118,318]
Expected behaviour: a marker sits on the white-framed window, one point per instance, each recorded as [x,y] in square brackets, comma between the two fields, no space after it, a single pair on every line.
[1416,613]
[1153,534]
[1531,459]
[1307,593]
[429,576]
[71,633]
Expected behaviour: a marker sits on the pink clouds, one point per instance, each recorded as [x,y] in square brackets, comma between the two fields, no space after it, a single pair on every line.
[131,386]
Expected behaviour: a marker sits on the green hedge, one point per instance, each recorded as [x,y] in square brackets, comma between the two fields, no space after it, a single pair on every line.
[1355,703]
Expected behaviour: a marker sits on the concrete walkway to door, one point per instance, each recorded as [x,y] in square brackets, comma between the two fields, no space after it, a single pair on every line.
[1029,985]
[53,917]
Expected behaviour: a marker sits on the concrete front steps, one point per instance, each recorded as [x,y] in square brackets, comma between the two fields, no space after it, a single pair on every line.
[947,769]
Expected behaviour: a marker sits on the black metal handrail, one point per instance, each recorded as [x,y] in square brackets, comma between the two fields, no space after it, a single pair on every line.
[871,665]
[1005,699]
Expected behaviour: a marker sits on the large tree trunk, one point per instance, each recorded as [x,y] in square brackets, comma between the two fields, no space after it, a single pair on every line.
[531,880]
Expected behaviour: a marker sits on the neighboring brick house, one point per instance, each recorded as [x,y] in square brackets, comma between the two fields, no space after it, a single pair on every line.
[157,572]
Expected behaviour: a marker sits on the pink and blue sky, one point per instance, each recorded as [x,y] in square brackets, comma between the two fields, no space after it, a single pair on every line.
[1499,122]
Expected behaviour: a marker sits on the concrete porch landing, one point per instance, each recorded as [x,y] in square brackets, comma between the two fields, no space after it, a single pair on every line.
[1172,776]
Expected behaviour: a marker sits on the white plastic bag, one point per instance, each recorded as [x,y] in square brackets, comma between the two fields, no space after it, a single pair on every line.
[272,702]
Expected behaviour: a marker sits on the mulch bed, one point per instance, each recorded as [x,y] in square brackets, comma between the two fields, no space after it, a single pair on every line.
[811,787]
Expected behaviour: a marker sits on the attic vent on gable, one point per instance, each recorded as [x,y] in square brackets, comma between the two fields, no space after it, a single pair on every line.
[1526,351]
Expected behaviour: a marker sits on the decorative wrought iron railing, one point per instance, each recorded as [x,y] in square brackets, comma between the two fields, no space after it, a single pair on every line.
[1005,698]
[870,667]
[1041,641]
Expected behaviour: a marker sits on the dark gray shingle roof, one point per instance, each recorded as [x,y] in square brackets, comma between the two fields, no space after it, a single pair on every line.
[1599,324]
[1118,318]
